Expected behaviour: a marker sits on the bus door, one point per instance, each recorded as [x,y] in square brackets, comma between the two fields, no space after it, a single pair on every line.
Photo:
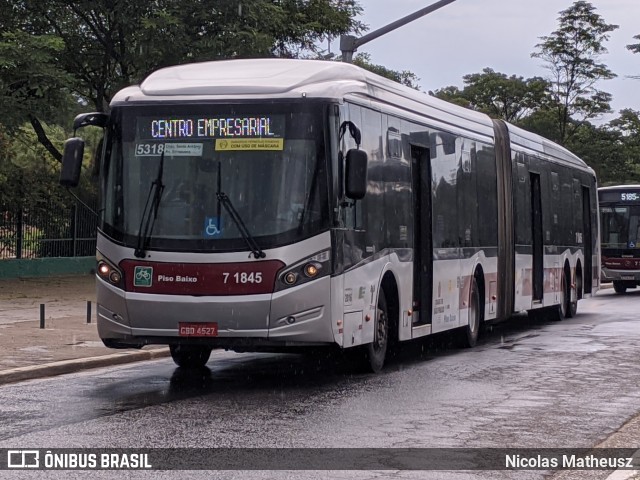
[422,249]
[587,240]
[537,237]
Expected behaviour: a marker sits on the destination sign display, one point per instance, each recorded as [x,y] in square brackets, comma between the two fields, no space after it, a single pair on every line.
[619,196]
[229,127]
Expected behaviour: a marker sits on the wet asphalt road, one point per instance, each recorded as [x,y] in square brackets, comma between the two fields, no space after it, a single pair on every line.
[529,383]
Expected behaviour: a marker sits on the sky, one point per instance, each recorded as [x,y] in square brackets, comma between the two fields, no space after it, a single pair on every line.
[469,35]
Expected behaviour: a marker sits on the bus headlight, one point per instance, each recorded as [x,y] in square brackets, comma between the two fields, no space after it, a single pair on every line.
[115,277]
[306,270]
[103,269]
[108,272]
[312,269]
[290,278]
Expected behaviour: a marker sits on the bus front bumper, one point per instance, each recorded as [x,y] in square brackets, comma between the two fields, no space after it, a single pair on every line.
[611,275]
[296,317]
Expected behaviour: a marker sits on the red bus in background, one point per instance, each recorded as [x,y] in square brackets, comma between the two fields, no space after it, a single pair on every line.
[620,237]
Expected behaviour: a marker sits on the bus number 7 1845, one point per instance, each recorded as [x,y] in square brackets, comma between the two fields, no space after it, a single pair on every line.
[244,277]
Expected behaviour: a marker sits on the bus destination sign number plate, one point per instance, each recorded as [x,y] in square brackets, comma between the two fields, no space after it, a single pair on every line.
[190,329]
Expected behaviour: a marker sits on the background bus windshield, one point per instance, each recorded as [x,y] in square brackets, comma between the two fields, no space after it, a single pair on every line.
[620,226]
[270,164]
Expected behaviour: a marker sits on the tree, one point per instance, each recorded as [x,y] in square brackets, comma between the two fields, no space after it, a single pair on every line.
[510,98]
[404,77]
[32,84]
[543,122]
[452,94]
[99,46]
[628,124]
[571,54]
[603,150]
[29,175]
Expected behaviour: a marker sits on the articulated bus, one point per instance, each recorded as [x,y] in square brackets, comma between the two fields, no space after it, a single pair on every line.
[620,242]
[280,204]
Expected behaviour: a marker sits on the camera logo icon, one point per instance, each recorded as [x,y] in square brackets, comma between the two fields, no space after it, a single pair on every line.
[23,459]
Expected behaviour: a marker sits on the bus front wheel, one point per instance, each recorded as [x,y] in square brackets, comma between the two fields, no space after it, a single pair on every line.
[377,350]
[619,287]
[190,356]
[475,316]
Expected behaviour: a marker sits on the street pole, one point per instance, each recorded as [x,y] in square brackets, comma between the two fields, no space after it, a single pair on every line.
[349,44]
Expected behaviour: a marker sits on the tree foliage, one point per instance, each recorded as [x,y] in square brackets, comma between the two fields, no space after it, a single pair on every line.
[31,83]
[571,54]
[496,94]
[404,77]
[635,48]
[452,94]
[604,151]
[29,176]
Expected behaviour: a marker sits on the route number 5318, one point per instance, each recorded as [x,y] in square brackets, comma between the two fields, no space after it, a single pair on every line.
[244,277]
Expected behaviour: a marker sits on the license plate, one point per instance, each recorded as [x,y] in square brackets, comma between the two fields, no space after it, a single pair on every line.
[628,277]
[186,329]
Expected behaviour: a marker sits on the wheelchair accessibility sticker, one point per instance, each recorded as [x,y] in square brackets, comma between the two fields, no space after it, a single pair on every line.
[212,227]
[142,276]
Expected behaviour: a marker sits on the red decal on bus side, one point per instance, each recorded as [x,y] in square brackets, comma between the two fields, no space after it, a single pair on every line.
[201,278]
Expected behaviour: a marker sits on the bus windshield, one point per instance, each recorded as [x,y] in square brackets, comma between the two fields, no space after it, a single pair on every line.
[267,161]
[620,226]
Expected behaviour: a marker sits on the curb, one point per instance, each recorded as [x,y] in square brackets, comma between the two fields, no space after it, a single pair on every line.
[32,372]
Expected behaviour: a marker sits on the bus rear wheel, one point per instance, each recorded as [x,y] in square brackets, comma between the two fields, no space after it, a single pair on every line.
[619,287]
[190,356]
[565,308]
[573,305]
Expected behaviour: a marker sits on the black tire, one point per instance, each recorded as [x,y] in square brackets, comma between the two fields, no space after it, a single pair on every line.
[579,285]
[472,330]
[190,356]
[619,287]
[564,307]
[573,309]
[573,306]
[377,350]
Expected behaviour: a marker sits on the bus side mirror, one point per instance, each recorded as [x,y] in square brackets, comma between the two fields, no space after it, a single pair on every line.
[71,162]
[356,174]
[96,119]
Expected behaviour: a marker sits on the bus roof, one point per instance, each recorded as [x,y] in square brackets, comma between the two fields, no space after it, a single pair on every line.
[278,78]
[619,187]
[527,140]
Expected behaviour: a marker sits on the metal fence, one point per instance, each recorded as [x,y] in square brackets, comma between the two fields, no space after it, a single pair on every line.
[39,232]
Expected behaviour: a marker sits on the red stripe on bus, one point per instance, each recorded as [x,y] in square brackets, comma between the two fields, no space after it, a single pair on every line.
[201,278]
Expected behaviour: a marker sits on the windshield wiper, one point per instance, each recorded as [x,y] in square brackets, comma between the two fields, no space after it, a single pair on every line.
[251,242]
[149,212]
[312,193]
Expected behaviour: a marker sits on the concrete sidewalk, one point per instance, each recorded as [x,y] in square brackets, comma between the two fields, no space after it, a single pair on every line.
[67,343]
